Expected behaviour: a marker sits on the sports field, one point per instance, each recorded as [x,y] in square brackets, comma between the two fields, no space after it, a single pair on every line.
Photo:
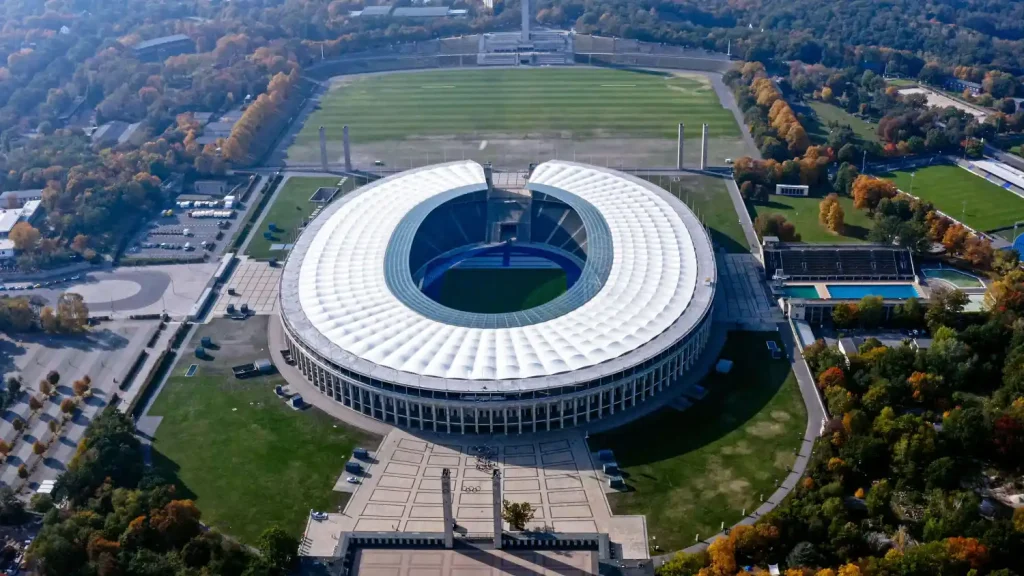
[803,213]
[249,460]
[690,471]
[543,112]
[494,291]
[289,210]
[817,124]
[977,202]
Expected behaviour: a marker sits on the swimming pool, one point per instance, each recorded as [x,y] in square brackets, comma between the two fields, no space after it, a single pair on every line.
[954,277]
[857,291]
[807,292]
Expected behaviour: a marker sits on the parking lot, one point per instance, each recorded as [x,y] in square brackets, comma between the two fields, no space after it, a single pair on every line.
[180,236]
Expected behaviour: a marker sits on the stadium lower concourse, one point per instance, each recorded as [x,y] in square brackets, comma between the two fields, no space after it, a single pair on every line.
[375,316]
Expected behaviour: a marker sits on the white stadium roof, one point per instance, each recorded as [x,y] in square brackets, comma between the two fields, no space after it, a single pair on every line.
[336,297]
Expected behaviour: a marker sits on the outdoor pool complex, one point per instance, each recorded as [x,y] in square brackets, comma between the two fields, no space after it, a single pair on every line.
[858,291]
[954,277]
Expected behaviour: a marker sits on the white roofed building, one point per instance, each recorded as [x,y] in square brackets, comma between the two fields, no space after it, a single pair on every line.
[363,330]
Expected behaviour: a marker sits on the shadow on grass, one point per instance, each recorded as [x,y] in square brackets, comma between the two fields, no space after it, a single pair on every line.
[168,469]
[726,242]
[733,400]
[854,231]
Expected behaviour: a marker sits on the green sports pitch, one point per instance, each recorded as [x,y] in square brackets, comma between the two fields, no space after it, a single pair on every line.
[979,203]
[520,103]
[499,290]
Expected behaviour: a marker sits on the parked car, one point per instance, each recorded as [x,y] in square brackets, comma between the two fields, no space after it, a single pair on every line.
[352,480]
[319,516]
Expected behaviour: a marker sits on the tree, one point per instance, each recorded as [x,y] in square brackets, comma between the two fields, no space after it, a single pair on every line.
[279,548]
[684,564]
[72,313]
[48,320]
[5,448]
[24,236]
[845,177]
[18,424]
[844,314]
[80,387]
[34,404]
[22,471]
[67,405]
[826,94]
[870,310]
[53,377]
[869,191]
[46,388]
[517,514]
[946,306]
[834,376]
[38,447]
[776,225]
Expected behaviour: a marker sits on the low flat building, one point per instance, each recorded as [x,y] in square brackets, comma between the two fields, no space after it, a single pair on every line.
[18,198]
[159,49]
[11,216]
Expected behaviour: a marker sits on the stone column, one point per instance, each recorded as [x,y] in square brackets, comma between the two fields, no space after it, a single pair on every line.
[496,492]
[525,8]
[449,517]
[345,143]
[679,148]
[704,147]
[323,149]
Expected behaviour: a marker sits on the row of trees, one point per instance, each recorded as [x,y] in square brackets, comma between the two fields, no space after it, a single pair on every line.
[775,129]
[122,518]
[21,314]
[261,117]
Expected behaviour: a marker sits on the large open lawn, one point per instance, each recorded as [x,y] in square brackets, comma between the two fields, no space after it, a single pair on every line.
[979,203]
[288,212]
[690,471]
[495,291]
[248,460]
[803,213]
[817,124]
[584,102]
[710,199]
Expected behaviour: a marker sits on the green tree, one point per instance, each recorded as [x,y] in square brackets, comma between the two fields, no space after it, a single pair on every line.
[870,311]
[844,315]
[683,564]
[279,548]
[517,514]
[945,308]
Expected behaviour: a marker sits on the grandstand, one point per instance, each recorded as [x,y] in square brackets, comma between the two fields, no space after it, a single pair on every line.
[1001,174]
[806,262]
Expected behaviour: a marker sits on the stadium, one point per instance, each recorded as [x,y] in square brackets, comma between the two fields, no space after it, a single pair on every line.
[456,299]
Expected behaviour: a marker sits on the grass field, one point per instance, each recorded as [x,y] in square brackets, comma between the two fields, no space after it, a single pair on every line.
[817,125]
[948,187]
[288,211]
[248,460]
[689,471]
[494,291]
[803,213]
[710,198]
[583,102]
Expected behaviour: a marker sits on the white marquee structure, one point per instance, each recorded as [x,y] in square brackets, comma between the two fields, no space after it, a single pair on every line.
[361,330]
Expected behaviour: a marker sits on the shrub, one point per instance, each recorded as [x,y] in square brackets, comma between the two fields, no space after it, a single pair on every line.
[67,405]
[22,471]
[41,503]
[34,403]
[5,448]
[53,377]
[80,387]
[45,387]
[18,424]
[38,447]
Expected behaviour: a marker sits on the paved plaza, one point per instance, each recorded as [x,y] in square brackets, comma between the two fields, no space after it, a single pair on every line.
[746,302]
[401,489]
[105,354]
[474,562]
[255,283]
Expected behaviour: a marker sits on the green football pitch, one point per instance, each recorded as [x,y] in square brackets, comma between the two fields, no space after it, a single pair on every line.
[975,201]
[520,103]
[494,291]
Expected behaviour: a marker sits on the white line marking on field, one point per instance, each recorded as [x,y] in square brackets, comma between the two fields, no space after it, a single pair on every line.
[438,86]
[483,144]
[618,85]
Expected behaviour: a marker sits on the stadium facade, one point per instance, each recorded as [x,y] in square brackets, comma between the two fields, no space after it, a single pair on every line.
[362,327]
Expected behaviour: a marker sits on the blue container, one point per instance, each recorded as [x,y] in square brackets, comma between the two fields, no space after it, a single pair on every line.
[605,456]
[361,453]
[297,401]
[353,467]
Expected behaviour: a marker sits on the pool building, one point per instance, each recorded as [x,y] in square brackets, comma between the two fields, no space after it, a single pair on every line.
[809,280]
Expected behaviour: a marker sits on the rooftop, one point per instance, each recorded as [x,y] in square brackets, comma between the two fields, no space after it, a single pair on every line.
[163,40]
[336,292]
[421,12]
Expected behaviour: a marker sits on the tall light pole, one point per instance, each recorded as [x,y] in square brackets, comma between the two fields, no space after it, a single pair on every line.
[912,183]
